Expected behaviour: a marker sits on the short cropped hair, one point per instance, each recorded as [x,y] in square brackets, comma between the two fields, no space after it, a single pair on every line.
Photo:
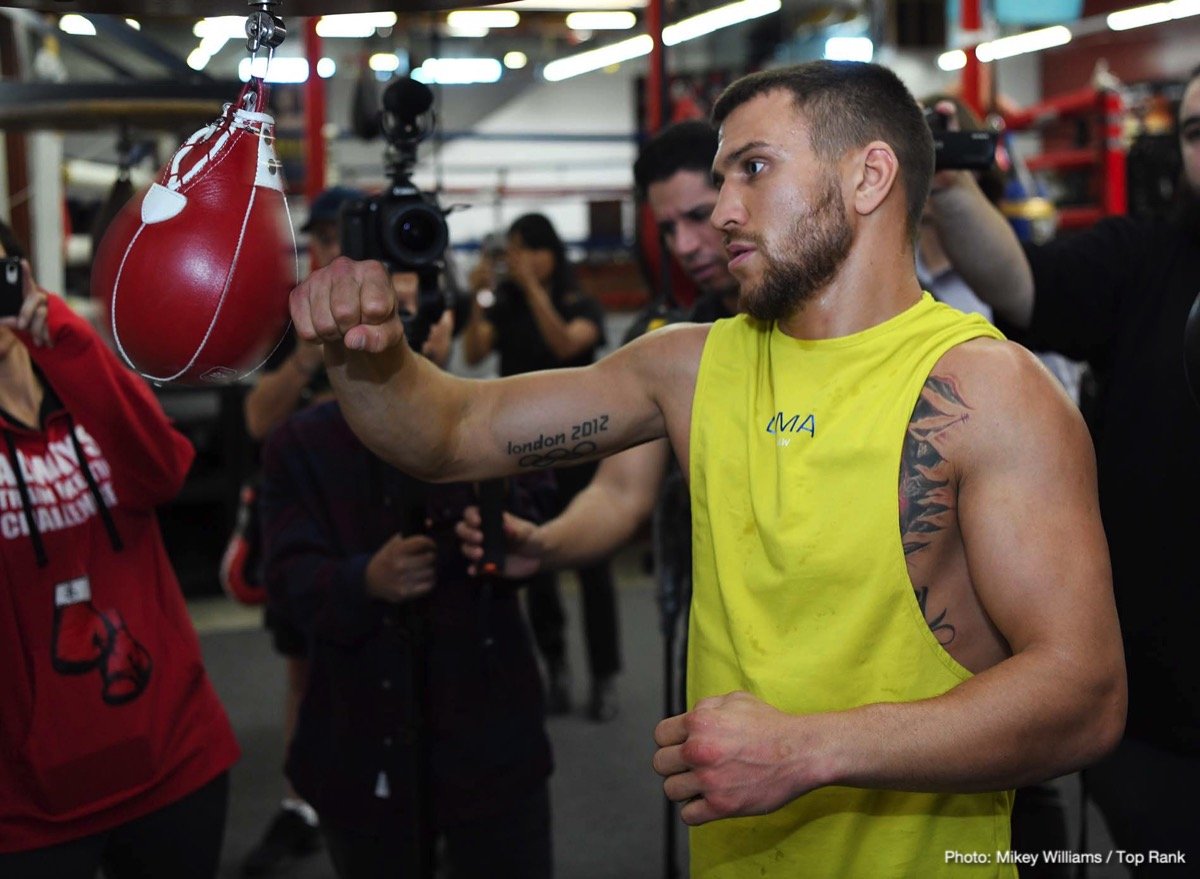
[847,105]
[683,146]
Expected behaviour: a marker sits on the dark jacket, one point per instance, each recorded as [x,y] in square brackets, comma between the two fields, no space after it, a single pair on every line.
[429,710]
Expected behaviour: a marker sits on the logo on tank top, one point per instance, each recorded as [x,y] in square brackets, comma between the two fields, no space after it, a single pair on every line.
[781,425]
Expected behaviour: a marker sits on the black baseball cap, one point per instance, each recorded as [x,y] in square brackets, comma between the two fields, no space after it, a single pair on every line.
[328,205]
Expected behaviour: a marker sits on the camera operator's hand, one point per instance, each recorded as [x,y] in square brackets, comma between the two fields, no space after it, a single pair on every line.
[521,269]
[402,569]
[943,180]
[441,339]
[349,303]
[522,557]
[34,307]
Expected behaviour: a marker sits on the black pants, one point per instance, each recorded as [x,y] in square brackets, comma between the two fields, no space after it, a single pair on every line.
[1147,795]
[1039,824]
[513,845]
[597,593]
[179,841]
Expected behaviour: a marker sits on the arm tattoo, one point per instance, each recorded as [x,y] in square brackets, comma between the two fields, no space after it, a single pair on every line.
[942,630]
[925,492]
[563,447]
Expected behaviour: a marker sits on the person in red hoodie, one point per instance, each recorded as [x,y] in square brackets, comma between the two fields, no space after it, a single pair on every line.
[114,748]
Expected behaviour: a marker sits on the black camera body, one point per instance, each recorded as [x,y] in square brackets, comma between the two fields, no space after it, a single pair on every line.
[960,150]
[403,227]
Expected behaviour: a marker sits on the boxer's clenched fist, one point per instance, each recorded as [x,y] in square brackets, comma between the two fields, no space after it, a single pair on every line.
[349,303]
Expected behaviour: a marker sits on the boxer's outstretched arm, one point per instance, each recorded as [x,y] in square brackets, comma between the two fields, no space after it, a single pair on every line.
[443,428]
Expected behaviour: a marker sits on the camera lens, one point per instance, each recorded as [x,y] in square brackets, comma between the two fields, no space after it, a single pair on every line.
[416,234]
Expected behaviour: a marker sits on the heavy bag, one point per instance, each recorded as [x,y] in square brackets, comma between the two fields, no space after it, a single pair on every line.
[195,270]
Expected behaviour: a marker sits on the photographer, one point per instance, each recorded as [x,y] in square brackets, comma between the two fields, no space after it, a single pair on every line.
[115,749]
[542,320]
[1118,296]
[423,720]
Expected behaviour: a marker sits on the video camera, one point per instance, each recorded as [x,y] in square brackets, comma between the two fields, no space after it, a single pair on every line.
[402,227]
[959,150]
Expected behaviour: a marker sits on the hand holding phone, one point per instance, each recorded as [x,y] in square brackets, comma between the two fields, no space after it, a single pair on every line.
[12,286]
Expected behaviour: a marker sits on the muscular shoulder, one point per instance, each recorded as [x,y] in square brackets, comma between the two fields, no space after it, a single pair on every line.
[669,354]
[1007,403]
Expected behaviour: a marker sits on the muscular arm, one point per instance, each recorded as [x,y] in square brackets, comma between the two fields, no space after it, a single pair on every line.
[982,246]
[598,521]
[604,516]
[440,427]
[1038,560]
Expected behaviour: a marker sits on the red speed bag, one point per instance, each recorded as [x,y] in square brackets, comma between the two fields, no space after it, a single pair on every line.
[195,270]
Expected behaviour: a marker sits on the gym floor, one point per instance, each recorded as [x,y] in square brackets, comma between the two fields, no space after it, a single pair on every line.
[609,813]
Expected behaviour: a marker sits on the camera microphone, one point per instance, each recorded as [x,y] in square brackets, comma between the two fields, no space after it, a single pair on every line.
[407,98]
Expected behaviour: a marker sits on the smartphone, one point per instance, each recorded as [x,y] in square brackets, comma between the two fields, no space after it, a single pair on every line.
[12,286]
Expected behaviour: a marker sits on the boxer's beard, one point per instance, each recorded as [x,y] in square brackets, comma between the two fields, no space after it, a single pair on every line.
[819,243]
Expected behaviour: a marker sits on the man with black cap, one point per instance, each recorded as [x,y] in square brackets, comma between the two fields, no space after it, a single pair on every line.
[293,378]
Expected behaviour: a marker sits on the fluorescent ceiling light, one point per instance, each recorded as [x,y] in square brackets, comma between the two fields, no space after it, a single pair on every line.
[1139,16]
[134,23]
[715,19]
[1155,13]
[596,59]
[612,20]
[484,18]
[212,44]
[458,71]
[955,59]
[1019,44]
[231,27]
[569,5]
[198,59]
[288,70]
[76,24]
[634,47]
[466,33]
[849,49]
[515,60]
[326,68]
[384,61]
[356,24]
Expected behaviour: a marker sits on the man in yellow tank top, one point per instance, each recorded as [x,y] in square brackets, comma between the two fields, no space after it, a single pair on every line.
[902,600]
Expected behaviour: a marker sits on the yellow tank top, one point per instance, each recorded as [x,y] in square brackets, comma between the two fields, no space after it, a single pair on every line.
[801,595]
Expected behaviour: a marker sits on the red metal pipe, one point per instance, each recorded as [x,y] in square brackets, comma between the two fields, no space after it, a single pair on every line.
[657,74]
[314,114]
[972,22]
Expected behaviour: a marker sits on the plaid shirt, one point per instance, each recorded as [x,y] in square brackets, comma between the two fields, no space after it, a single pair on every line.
[408,716]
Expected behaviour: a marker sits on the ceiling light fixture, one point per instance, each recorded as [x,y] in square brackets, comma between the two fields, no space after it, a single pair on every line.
[570,5]
[384,62]
[955,59]
[1155,13]
[597,59]
[716,19]
[134,23]
[515,60]
[457,71]
[354,24]
[1020,44]
[611,20]
[635,47]
[465,33]
[849,49]
[281,70]
[231,27]
[77,25]
[484,18]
